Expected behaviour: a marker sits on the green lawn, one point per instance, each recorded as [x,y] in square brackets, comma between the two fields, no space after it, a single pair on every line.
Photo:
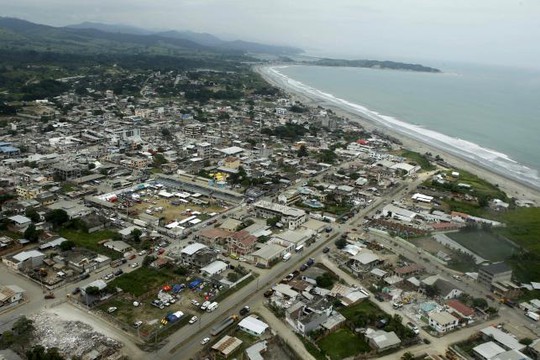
[418,158]
[486,244]
[343,343]
[523,227]
[365,307]
[90,241]
[142,280]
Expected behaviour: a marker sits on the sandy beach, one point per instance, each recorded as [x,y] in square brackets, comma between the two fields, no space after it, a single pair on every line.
[511,187]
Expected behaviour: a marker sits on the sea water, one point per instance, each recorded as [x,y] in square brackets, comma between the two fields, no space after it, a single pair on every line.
[487,115]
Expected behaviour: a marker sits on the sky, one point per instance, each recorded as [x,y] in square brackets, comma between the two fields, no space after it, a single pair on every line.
[503,32]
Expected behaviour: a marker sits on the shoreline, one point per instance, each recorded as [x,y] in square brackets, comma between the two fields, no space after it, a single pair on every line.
[510,186]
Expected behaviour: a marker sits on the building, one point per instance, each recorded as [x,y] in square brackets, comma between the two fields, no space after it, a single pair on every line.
[487,350]
[268,254]
[381,340]
[118,246]
[24,260]
[227,345]
[290,217]
[505,340]
[73,209]
[254,351]
[442,321]
[289,197]
[205,150]
[253,326]
[364,261]
[214,268]
[21,222]
[28,192]
[240,243]
[461,310]
[497,272]
[10,294]
[65,171]
[197,255]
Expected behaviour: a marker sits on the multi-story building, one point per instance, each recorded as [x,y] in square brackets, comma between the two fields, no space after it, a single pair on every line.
[290,216]
[66,171]
[497,272]
[205,150]
[28,192]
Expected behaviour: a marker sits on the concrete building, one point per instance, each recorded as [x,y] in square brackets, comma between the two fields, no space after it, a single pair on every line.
[290,217]
[214,268]
[381,340]
[197,255]
[205,150]
[442,321]
[24,260]
[10,294]
[253,326]
[497,272]
[65,171]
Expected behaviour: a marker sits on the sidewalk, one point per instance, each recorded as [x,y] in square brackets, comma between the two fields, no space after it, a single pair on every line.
[284,332]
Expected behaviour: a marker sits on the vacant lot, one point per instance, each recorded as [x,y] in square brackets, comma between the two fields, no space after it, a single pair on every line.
[342,344]
[171,212]
[458,262]
[90,241]
[366,308]
[142,280]
[486,244]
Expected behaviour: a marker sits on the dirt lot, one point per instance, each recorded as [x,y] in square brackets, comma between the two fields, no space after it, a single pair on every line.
[171,212]
[430,245]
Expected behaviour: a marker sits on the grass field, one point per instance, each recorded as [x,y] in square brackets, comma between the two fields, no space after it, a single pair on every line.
[171,212]
[364,308]
[90,241]
[342,344]
[486,244]
[142,280]
[418,158]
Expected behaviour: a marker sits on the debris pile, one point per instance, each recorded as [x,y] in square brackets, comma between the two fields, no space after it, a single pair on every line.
[72,338]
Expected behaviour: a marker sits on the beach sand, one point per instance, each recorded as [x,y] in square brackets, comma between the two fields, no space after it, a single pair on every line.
[510,186]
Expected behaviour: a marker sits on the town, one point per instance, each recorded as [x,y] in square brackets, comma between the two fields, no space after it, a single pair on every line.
[205,214]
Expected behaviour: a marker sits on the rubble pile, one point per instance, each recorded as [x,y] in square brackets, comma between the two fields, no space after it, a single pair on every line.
[72,338]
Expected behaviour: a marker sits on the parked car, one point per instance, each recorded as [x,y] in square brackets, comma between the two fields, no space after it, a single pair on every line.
[76,291]
[195,303]
[134,265]
[108,277]
[142,252]
[49,296]
[137,324]
[245,310]
[112,309]
[268,293]
[205,341]
[303,267]
[310,261]
[118,272]
[193,320]
[326,249]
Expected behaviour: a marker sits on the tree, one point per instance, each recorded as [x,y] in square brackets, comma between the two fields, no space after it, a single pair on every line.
[136,235]
[526,341]
[273,221]
[92,290]
[431,291]
[165,132]
[32,214]
[67,245]
[148,260]
[407,356]
[38,352]
[57,217]
[302,152]
[325,280]
[232,276]
[159,159]
[341,243]
[31,233]
[480,303]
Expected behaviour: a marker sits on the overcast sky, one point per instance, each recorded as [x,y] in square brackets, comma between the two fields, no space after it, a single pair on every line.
[482,31]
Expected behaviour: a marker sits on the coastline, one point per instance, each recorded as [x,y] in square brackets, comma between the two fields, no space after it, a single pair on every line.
[509,185]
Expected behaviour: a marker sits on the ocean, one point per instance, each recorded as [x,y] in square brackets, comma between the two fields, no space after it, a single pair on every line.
[487,115]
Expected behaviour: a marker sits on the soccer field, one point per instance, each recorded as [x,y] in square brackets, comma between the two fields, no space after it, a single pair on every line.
[488,245]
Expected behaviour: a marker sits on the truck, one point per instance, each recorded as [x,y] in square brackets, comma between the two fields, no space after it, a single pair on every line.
[287,256]
[213,306]
[219,328]
[532,315]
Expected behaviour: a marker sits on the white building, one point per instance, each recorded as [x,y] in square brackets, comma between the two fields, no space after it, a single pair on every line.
[442,321]
[253,326]
[291,217]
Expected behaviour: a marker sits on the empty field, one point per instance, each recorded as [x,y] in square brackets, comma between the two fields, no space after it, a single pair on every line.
[488,245]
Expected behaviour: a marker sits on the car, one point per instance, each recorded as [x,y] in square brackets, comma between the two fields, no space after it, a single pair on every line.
[137,324]
[142,252]
[413,327]
[193,320]
[112,309]
[108,277]
[268,293]
[243,311]
[326,249]
[310,261]
[205,341]
[303,267]
[76,291]
[49,296]
[195,303]
[118,272]
[134,265]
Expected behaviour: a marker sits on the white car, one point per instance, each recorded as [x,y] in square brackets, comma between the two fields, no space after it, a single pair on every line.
[195,303]
[193,320]
[134,265]
[137,323]
[142,252]
[205,340]
[112,309]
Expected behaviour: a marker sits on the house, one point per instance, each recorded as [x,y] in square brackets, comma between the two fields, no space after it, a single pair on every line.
[212,236]
[118,246]
[227,345]
[214,268]
[240,242]
[381,340]
[501,338]
[461,310]
[487,350]
[24,260]
[254,351]
[511,355]
[230,225]
[364,261]
[10,294]
[293,238]
[442,321]
[197,255]
[310,314]
[73,209]
[268,254]
[252,326]
[497,272]
[534,349]
[21,222]
[445,289]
